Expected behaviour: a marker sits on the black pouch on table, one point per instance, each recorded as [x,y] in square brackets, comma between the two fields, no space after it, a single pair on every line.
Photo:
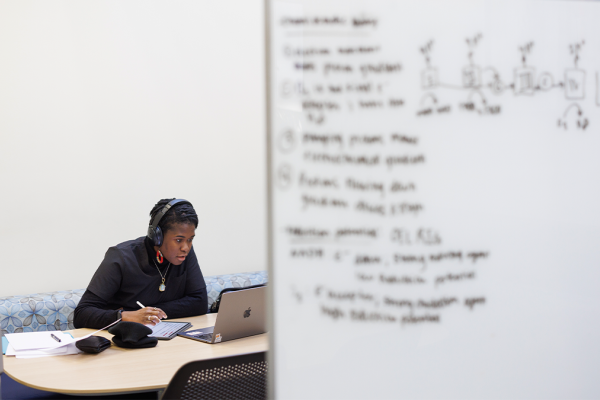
[132,335]
[214,307]
[93,344]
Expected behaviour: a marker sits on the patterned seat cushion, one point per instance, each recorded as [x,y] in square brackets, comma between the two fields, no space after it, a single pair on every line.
[214,284]
[53,311]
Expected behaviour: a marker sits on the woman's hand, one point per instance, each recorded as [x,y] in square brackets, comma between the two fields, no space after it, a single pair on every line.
[146,315]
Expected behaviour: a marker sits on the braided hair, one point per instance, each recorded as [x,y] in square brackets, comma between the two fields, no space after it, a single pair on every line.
[178,214]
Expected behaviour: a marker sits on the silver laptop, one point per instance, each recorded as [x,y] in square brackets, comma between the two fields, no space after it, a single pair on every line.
[241,313]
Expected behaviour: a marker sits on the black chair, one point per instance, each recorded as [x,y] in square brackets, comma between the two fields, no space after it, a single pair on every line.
[235,377]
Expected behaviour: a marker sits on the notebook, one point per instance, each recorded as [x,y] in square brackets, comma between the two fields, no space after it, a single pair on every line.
[241,313]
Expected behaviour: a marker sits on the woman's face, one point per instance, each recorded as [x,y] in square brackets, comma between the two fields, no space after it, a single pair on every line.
[177,243]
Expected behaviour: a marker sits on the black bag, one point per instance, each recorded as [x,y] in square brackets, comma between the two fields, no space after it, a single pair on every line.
[132,335]
[214,307]
[93,344]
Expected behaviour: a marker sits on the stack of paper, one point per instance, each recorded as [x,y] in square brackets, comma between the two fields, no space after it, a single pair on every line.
[40,344]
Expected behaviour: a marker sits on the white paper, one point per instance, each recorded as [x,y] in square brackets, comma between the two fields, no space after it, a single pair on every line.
[41,344]
[34,353]
[60,351]
[37,340]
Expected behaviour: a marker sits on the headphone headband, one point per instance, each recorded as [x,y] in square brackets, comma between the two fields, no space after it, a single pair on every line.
[154,232]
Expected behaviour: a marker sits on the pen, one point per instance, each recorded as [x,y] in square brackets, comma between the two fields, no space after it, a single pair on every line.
[142,306]
[55,338]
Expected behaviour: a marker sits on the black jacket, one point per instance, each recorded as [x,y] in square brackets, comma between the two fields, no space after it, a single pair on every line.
[129,274]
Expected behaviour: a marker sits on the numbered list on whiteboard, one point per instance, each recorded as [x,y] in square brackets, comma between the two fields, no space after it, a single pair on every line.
[355,237]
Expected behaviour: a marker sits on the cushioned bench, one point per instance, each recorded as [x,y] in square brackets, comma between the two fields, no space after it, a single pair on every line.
[53,311]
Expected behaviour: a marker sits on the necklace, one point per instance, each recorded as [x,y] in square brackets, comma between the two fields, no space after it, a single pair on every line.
[162,286]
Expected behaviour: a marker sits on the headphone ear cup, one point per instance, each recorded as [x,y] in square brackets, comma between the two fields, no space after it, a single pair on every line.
[158,236]
[151,235]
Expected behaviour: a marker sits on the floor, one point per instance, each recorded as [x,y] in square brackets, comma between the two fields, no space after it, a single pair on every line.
[12,390]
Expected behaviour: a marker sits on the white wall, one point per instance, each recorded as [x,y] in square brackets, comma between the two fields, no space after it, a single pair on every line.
[107,107]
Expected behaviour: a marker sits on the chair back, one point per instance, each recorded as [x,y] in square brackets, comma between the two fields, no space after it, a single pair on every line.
[235,377]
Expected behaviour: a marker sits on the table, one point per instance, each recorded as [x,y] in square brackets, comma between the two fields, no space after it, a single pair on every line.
[119,370]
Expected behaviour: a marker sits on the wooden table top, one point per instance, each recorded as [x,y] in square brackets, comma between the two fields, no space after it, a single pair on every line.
[119,370]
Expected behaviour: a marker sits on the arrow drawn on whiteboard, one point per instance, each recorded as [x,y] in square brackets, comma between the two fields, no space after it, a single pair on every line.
[481,96]
[427,96]
[579,112]
[582,121]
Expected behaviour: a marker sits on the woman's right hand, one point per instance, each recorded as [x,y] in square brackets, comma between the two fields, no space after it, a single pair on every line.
[146,315]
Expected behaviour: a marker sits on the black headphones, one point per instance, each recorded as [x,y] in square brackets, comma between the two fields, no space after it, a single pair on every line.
[155,234]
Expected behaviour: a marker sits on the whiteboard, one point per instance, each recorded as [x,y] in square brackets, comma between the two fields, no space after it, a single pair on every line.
[434,204]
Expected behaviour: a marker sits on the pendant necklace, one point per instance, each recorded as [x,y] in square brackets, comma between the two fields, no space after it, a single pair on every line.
[162,286]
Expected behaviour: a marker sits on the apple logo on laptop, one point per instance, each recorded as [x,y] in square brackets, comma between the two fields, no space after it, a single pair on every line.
[247,313]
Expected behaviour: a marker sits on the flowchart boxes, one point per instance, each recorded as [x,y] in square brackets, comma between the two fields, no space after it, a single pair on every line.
[471,76]
[429,78]
[524,81]
[574,84]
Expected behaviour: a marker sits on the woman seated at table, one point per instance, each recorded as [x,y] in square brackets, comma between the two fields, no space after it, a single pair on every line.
[160,271]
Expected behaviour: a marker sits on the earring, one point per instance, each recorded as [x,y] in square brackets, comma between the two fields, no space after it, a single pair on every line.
[159,257]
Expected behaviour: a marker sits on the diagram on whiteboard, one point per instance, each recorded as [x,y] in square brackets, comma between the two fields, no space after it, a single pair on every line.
[482,82]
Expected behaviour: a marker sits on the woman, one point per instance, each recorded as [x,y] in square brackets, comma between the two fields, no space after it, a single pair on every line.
[160,271]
